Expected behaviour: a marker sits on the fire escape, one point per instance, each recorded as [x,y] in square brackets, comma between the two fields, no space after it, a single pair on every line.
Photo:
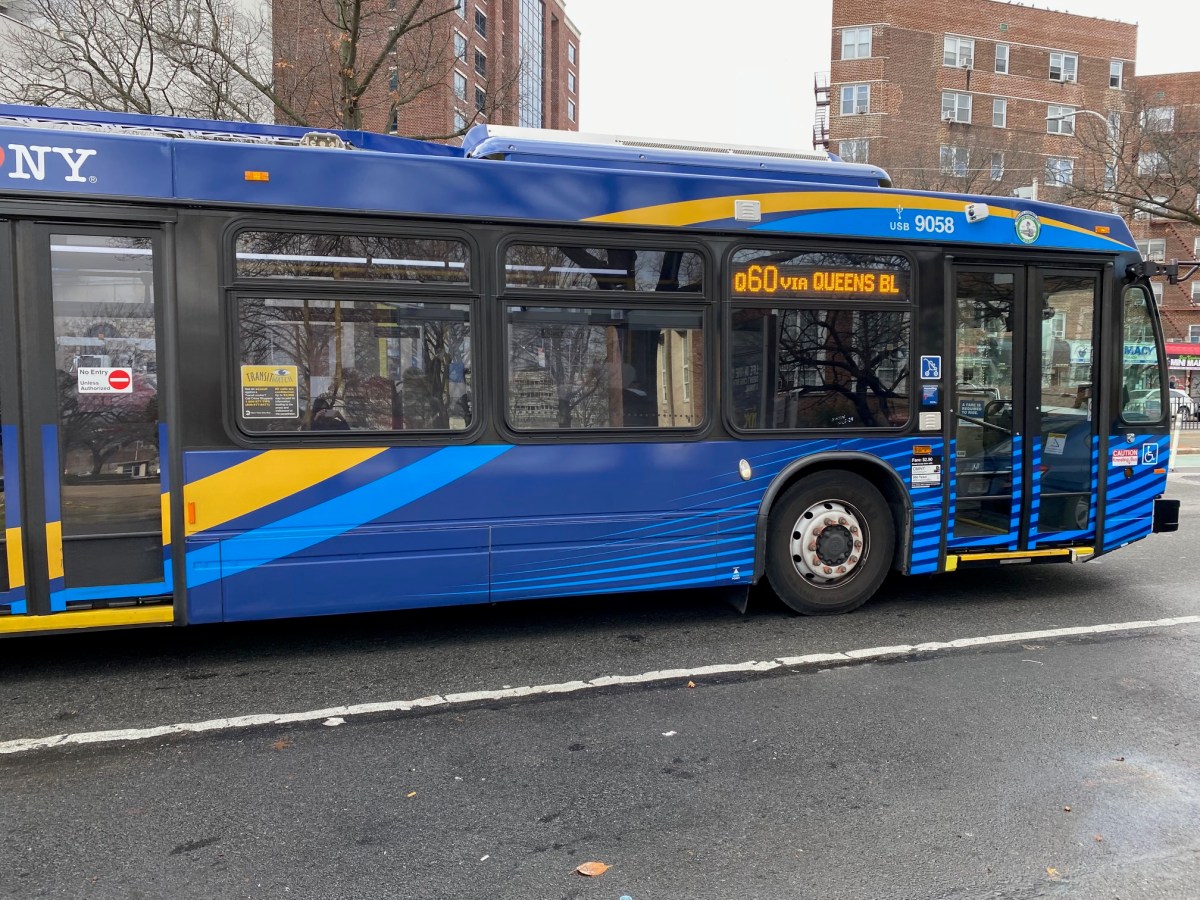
[821,117]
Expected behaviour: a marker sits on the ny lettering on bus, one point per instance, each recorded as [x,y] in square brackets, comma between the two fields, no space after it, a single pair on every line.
[797,282]
[29,161]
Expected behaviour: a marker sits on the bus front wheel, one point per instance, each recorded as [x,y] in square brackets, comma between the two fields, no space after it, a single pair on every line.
[830,540]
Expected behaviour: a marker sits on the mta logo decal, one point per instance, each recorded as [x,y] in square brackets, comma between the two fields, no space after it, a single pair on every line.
[30,162]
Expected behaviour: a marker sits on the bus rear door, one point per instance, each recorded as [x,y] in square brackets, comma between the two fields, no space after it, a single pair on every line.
[84,477]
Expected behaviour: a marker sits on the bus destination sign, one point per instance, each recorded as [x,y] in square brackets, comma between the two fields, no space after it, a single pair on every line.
[809,282]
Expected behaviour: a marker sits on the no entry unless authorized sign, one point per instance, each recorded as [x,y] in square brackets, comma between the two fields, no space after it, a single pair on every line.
[98,380]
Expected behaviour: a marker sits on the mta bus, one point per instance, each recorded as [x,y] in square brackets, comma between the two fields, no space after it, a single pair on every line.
[252,371]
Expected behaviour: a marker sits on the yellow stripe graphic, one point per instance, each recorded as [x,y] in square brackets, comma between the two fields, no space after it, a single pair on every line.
[89,618]
[16,557]
[263,480]
[54,548]
[690,212]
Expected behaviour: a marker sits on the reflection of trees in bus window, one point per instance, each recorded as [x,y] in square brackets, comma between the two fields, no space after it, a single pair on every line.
[803,368]
[604,368]
[572,268]
[378,366]
[351,257]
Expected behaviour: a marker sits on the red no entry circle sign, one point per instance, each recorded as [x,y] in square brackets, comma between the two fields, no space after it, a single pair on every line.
[118,379]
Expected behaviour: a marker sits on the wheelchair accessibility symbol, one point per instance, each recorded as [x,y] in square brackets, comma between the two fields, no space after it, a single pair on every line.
[931,367]
[1149,454]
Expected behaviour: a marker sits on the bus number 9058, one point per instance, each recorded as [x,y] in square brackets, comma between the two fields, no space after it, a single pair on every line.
[939,224]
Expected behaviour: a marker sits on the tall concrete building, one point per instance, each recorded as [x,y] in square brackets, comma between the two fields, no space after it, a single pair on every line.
[500,62]
[991,97]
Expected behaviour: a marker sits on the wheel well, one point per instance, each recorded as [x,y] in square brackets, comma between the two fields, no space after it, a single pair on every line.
[881,476]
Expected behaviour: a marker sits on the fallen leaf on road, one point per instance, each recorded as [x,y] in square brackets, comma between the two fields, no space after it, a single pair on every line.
[691,684]
[1052,872]
[282,744]
[1066,809]
[1098,838]
[411,794]
[592,868]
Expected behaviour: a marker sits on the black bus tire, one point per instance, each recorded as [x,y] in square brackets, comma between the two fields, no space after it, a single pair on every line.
[830,541]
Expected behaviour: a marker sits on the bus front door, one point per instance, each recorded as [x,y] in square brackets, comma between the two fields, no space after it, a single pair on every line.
[1024,466]
[85,482]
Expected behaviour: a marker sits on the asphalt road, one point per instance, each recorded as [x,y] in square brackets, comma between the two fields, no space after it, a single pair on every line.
[1061,767]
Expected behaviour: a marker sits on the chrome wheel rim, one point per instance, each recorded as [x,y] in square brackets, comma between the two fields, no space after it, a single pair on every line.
[829,542]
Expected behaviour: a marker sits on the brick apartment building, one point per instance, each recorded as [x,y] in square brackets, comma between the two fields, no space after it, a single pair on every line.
[500,62]
[990,97]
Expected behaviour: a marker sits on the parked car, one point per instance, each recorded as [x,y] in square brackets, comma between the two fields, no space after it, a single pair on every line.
[1182,405]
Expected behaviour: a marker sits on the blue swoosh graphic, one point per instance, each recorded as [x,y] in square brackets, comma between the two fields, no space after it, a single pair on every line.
[312,526]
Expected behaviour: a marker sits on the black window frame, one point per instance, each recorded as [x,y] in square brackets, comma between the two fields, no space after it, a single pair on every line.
[235,289]
[729,304]
[705,302]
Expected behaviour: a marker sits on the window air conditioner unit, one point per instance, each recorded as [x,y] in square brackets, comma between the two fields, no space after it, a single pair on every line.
[860,110]
[1069,79]
[948,118]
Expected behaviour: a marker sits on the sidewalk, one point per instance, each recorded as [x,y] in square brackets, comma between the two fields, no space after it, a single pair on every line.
[1187,449]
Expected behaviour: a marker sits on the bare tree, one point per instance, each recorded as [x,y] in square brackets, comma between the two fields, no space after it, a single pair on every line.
[1143,160]
[314,63]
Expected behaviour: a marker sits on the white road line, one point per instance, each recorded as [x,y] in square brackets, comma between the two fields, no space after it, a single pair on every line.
[810,660]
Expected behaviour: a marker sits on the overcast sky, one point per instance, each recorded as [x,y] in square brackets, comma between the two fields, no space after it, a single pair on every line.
[742,72]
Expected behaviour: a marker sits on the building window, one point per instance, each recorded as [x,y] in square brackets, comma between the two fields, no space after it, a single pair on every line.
[1116,69]
[532,51]
[1151,162]
[571,110]
[1110,176]
[1157,287]
[393,79]
[1063,66]
[481,23]
[1194,330]
[480,99]
[460,121]
[954,160]
[956,107]
[460,7]
[571,53]
[1060,119]
[1155,207]
[460,47]
[853,151]
[571,82]
[480,64]
[1195,299]
[856,98]
[1002,59]
[1196,248]
[958,51]
[1154,249]
[856,43]
[1158,118]
[999,113]
[1059,171]
[393,121]
[997,168]
[460,85]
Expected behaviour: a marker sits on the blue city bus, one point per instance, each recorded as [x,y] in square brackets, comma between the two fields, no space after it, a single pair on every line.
[252,371]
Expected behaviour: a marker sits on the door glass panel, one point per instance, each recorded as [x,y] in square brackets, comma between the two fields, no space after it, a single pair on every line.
[1065,472]
[1141,390]
[984,453]
[104,346]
